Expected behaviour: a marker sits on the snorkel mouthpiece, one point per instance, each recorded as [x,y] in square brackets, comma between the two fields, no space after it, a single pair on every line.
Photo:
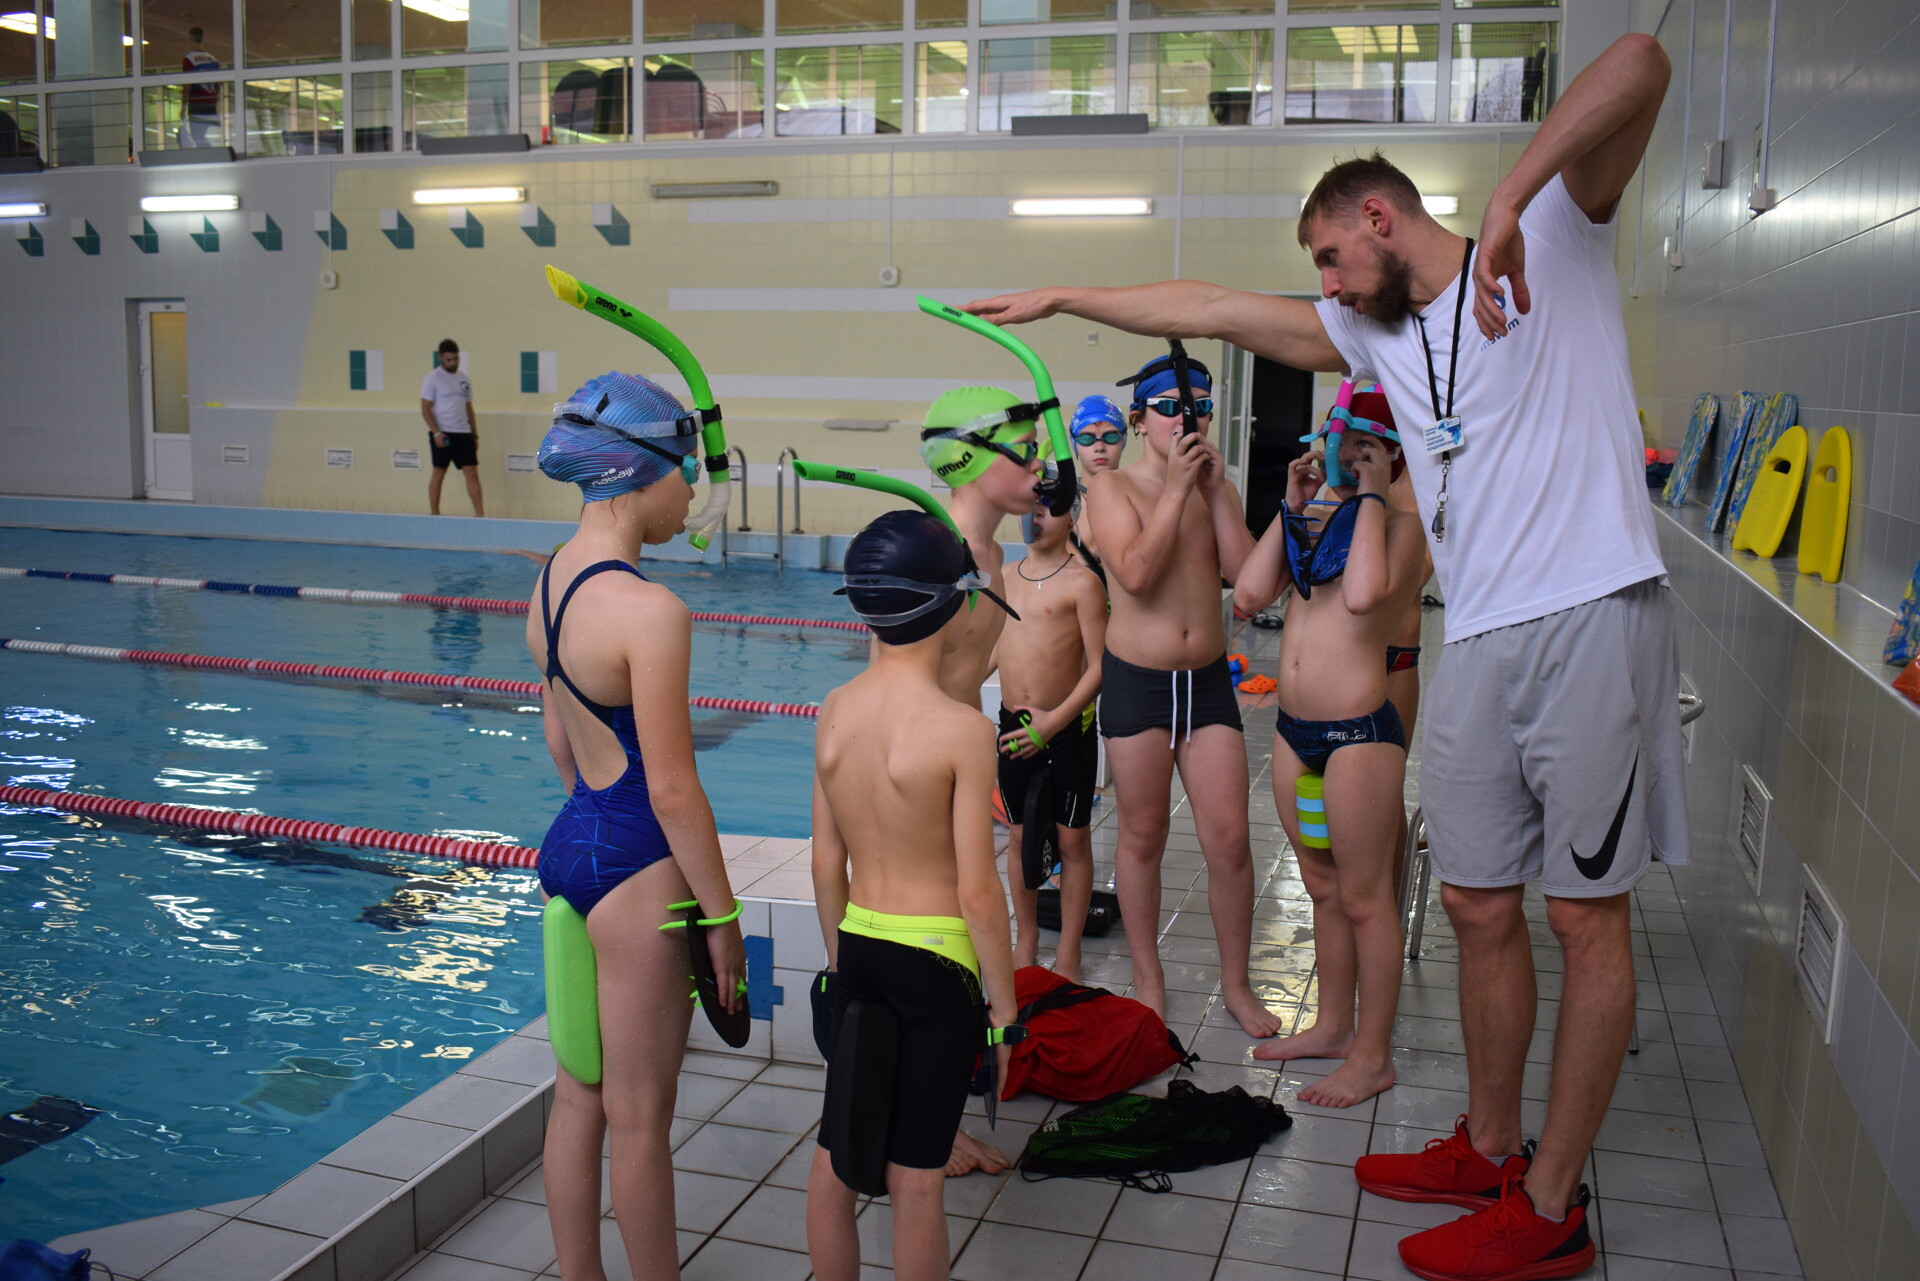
[713,434]
[1061,493]
[1189,415]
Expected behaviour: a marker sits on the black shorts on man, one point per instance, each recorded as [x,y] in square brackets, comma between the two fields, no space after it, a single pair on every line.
[459,451]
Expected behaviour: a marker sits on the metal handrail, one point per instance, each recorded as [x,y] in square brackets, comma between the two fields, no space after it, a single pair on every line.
[741,454]
[779,480]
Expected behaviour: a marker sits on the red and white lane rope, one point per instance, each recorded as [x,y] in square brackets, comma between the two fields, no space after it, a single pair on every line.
[364,675]
[467,604]
[294,829]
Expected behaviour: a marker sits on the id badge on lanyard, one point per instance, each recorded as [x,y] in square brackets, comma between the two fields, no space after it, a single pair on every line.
[1445,433]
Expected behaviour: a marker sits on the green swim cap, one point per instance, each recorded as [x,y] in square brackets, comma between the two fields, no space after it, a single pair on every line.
[985,413]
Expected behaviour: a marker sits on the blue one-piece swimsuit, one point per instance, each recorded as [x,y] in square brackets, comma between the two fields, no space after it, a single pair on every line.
[601,836]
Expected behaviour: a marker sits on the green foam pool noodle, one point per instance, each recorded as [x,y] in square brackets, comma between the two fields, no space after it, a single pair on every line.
[1310,803]
[573,991]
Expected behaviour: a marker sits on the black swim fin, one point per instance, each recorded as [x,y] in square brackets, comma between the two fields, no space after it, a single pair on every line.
[46,1120]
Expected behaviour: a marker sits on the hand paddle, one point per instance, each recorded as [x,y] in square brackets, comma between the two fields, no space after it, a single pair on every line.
[735,1027]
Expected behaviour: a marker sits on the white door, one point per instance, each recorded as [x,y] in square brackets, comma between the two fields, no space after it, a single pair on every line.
[163,400]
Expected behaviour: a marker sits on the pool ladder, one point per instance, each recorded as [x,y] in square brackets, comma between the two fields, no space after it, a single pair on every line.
[780,531]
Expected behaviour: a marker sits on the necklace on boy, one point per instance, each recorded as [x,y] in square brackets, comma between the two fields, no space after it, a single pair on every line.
[1040,582]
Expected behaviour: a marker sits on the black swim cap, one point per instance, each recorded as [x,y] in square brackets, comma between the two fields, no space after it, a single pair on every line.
[907,574]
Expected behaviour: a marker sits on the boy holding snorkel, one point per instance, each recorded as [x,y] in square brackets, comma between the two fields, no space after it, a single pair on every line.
[1355,566]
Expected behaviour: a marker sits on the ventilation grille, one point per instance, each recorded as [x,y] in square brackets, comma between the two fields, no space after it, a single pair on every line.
[1750,843]
[1817,952]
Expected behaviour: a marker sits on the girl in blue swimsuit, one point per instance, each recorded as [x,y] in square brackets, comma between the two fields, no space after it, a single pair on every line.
[636,833]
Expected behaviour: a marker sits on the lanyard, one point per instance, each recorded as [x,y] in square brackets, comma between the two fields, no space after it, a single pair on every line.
[1433,385]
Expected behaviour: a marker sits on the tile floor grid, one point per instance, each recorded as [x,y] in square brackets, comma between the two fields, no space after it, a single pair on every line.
[1682,1190]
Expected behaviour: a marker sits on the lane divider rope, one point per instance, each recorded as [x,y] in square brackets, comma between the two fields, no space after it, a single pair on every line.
[320,671]
[486,853]
[467,604]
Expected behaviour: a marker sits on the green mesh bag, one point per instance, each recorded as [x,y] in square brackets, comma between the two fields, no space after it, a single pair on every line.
[1138,1141]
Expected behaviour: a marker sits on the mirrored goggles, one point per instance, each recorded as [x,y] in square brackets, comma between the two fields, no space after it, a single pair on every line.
[1169,406]
[1111,436]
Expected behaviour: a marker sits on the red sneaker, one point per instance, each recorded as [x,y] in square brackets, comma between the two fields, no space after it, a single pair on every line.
[1508,1241]
[1448,1170]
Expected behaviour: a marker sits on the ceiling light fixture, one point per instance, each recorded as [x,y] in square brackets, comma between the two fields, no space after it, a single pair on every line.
[471,196]
[188,204]
[23,209]
[1097,207]
[1441,206]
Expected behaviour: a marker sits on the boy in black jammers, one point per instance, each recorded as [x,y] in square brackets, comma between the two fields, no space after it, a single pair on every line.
[903,787]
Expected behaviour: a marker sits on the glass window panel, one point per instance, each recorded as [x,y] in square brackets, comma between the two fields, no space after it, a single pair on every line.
[295,116]
[453,102]
[373,111]
[940,87]
[91,128]
[1503,71]
[1372,75]
[167,35]
[703,19]
[1188,8]
[705,95]
[454,26]
[19,125]
[373,28]
[940,13]
[87,40]
[1358,6]
[1044,76]
[562,103]
[1000,12]
[1503,4]
[278,33]
[17,26]
[552,24]
[797,17]
[189,115]
[836,90]
[1184,79]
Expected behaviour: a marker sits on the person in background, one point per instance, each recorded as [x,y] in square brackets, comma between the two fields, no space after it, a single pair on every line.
[446,402]
[200,114]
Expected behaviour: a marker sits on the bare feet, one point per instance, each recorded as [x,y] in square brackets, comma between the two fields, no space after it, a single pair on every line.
[1256,1020]
[1151,991]
[1026,953]
[1355,1081]
[1316,1042]
[1067,966]
[970,1154]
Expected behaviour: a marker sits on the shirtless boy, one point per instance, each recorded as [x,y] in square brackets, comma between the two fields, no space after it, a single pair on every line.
[1336,721]
[1169,527]
[1049,664]
[903,782]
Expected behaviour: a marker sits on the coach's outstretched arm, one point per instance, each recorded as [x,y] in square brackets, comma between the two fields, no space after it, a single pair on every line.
[1594,138]
[1284,329]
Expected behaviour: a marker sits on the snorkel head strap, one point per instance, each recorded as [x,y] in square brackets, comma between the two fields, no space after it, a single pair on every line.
[1061,494]
[1171,372]
[1341,417]
[713,434]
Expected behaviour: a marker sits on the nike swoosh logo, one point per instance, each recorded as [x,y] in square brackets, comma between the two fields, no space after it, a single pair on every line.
[1595,866]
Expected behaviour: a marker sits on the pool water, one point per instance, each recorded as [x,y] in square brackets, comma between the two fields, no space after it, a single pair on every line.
[235,1008]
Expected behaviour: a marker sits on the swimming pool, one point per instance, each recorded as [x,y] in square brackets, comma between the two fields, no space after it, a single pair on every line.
[236,1008]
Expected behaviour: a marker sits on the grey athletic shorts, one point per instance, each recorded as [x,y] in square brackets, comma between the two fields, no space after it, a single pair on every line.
[1553,749]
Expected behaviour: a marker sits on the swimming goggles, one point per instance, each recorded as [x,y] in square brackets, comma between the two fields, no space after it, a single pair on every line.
[1318,558]
[937,594]
[688,464]
[976,433]
[1112,436]
[1169,406]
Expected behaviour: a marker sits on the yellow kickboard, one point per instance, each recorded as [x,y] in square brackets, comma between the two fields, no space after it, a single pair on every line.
[1823,526]
[1776,490]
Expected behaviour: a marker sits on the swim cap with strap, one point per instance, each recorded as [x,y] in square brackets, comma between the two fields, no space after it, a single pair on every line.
[963,424]
[1158,377]
[904,555]
[1095,410]
[618,433]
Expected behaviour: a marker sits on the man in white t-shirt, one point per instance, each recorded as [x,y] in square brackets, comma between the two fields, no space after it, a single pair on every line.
[1552,746]
[446,402]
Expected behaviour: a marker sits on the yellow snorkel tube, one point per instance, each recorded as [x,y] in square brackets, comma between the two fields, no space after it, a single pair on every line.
[713,433]
[1061,493]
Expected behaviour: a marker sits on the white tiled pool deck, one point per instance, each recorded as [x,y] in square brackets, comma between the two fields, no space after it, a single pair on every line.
[1682,1189]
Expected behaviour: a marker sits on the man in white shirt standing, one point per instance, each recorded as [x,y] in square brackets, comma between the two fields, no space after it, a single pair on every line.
[446,402]
[1552,746]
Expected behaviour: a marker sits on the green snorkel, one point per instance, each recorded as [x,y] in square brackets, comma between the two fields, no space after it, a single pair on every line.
[713,433]
[879,484]
[1059,494]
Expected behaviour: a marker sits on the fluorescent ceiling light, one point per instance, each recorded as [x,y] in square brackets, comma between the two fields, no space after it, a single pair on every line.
[470,196]
[23,209]
[188,204]
[712,190]
[445,10]
[1441,206]
[23,22]
[1099,207]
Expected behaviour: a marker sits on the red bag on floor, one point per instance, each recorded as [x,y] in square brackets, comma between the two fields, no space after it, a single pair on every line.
[1084,1043]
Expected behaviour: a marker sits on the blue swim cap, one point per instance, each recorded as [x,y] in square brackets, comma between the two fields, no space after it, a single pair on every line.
[618,433]
[1156,378]
[1098,409]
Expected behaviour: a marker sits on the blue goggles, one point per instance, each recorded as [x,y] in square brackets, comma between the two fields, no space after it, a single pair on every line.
[1169,406]
[1111,436]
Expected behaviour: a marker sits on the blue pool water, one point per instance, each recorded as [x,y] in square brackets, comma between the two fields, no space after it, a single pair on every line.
[237,1008]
